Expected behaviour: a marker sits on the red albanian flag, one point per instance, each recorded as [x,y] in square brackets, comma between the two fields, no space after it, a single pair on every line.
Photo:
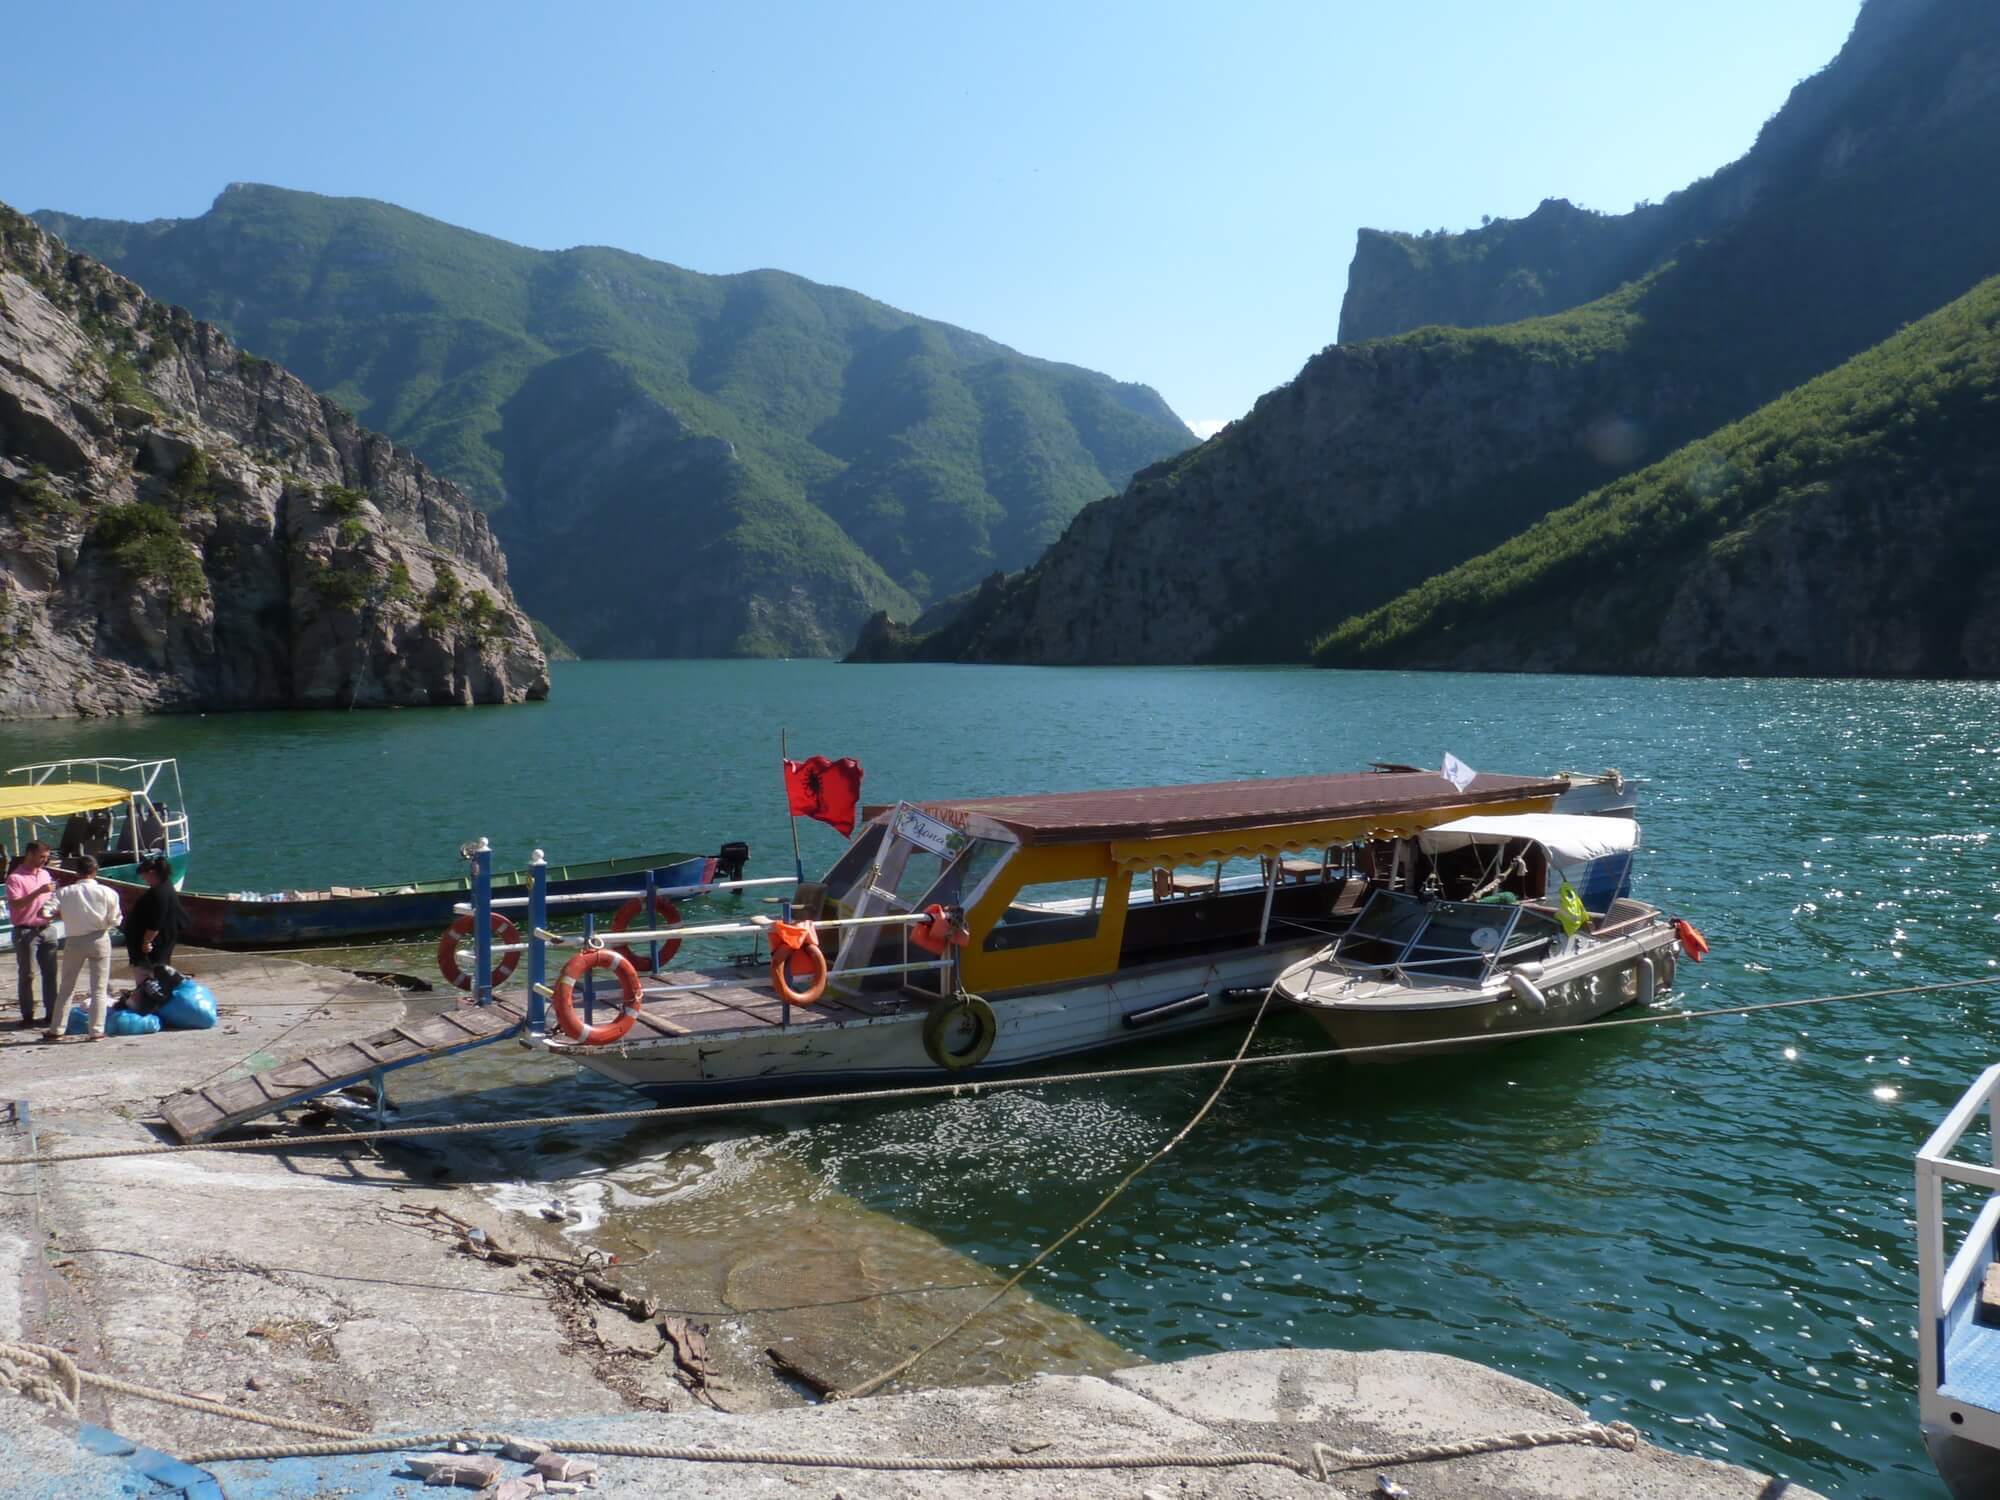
[828,790]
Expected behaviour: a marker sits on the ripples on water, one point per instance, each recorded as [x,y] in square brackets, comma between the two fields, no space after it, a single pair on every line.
[1704,1229]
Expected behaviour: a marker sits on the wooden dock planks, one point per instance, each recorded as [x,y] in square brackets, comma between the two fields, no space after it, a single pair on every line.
[200,1113]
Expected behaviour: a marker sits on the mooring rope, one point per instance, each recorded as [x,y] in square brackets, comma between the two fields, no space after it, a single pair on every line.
[937,1090]
[876,1381]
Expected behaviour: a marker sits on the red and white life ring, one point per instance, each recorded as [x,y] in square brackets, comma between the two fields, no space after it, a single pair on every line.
[565,996]
[459,934]
[640,955]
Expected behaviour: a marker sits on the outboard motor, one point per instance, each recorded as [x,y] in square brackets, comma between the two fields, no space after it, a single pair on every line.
[730,860]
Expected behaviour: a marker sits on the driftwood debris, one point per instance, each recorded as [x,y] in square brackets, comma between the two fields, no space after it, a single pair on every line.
[690,1345]
[819,1385]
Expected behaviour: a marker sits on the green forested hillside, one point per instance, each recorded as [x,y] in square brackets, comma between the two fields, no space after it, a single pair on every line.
[1385,462]
[1851,526]
[822,454]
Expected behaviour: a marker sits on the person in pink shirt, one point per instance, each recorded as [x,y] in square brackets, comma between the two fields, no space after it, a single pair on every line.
[31,892]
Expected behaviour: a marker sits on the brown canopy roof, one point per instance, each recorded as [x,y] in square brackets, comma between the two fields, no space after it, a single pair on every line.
[1169,811]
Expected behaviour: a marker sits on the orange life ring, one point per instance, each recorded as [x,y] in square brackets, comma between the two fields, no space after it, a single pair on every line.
[939,935]
[1693,944]
[503,931]
[793,943]
[665,914]
[565,996]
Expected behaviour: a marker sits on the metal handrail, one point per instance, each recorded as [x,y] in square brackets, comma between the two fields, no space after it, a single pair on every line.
[1940,1284]
[605,898]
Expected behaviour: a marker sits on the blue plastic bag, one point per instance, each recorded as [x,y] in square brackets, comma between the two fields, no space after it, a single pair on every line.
[191,1007]
[118,1021]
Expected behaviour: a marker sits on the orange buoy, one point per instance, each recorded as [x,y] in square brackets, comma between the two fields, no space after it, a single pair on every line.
[940,934]
[1693,944]
[665,914]
[793,944]
[565,996]
[460,930]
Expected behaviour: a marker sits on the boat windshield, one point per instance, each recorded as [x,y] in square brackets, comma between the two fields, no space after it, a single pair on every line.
[1454,941]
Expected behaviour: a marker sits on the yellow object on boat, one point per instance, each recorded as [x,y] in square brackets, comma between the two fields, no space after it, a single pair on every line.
[59,799]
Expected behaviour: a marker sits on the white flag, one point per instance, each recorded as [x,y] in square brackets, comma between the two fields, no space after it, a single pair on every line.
[1457,772]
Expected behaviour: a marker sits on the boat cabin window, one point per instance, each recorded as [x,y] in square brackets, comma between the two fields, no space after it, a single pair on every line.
[1060,911]
[962,880]
[1383,930]
[853,866]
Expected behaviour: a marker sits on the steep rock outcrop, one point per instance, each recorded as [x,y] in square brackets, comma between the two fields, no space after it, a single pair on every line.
[183,526]
[1847,529]
[1388,461]
[1909,66]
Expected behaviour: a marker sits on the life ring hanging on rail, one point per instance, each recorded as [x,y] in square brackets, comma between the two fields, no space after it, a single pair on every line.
[1693,944]
[459,934]
[794,944]
[640,955]
[629,993]
[941,934]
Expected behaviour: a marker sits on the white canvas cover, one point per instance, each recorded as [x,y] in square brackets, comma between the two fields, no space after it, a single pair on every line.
[1571,838]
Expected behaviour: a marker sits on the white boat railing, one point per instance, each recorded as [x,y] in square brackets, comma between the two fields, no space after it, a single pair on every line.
[605,898]
[1947,1291]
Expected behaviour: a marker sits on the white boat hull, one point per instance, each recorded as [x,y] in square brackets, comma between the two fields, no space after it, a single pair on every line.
[888,1050]
[1577,988]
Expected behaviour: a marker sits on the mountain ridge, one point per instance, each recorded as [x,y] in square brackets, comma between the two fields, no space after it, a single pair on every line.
[1387,461]
[938,453]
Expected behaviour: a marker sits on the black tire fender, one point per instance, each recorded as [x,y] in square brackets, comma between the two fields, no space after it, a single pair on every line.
[947,1013]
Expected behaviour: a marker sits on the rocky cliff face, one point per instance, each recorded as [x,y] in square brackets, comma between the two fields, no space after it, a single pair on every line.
[183,526]
[1908,64]
[1387,461]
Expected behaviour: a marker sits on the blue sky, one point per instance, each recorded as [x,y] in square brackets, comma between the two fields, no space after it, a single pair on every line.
[1167,192]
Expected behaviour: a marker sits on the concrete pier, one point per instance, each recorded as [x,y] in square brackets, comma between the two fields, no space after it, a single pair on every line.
[318,1285]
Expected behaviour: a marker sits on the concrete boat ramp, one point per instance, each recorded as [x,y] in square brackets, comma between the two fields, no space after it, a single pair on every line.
[329,1287]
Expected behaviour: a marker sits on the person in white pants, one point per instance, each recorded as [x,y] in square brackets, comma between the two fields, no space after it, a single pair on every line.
[89,911]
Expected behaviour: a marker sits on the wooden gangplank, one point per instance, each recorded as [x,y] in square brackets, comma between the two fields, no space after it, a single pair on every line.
[200,1113]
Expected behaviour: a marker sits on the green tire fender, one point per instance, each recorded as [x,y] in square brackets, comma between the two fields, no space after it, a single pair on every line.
[951,1012]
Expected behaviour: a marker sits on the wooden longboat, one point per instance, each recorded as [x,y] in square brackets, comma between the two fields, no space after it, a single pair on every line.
[345,913]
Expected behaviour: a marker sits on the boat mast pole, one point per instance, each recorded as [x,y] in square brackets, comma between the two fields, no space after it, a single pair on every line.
[792,818]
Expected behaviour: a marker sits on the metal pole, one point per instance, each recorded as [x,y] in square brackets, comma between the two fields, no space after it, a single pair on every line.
[589,975]
[791,818]
[538,951]
[652,920]
[1270,894]
[482,920]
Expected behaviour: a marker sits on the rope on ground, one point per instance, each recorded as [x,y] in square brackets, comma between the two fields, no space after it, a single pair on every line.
[876,1381]
[46,1374]
[51,1363]
[1620,1435]
[1315,1467]
[1322,1465]
[936,1090]
[41,1374]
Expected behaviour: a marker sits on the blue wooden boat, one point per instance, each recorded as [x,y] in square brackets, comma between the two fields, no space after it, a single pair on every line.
[355,913]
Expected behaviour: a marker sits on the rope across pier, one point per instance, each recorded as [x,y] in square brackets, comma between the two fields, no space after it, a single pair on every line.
[940,1090]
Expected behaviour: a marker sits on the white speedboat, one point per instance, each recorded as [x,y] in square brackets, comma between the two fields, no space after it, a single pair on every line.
[1467,950]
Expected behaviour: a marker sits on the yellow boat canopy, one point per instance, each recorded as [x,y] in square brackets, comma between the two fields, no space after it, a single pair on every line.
[59,799]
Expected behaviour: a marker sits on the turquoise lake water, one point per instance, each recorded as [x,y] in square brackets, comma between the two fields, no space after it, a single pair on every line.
[1703,1229]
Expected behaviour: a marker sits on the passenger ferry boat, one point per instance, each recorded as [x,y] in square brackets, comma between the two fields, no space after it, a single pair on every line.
[118,811]
[963,938]
[1501,961]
